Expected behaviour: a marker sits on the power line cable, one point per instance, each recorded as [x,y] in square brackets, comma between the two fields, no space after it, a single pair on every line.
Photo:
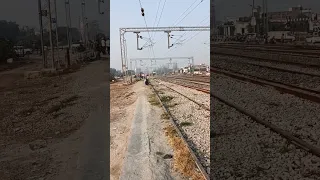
[161,13]
[185,11]
[155,20]
[145,21]
[197,25]
[174,24]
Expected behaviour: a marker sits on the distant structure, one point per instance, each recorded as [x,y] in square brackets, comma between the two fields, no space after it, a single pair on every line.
[295,19]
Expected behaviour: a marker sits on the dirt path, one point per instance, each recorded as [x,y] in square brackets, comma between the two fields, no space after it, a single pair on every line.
[55,127]
[122,106]
[148,155]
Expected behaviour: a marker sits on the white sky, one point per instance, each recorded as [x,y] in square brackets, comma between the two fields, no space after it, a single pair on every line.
[126,13]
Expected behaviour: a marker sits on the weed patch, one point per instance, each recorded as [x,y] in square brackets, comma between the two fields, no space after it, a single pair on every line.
[153,100]
[165,115]
[183,161]
[185,123]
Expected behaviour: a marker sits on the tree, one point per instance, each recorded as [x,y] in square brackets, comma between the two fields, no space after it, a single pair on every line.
[9,30]
[94,29]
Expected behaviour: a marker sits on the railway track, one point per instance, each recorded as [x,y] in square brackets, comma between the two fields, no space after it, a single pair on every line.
[314,53]
[295,132]
[202,79]
[285,48]
[304,93]
[253,63]
[173,120]
[261,58]
[287,135]
[190,83]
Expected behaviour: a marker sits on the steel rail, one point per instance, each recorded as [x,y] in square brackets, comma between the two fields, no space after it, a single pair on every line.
[173,121]
[304,93]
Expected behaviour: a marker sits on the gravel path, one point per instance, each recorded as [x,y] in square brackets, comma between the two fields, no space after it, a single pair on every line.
[300,80]
[193,120]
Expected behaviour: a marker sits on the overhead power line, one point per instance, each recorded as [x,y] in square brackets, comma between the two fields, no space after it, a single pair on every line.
[204,20]
[145,21]
[189,12]
[175,24]
[155,20]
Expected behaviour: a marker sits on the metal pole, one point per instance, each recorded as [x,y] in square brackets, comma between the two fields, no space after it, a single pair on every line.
[70,24]
[67,5]
[84,22]
[267,18]
[57,37]
[168,40]
[50,34]
[252,8]
[263,17]
[41,34]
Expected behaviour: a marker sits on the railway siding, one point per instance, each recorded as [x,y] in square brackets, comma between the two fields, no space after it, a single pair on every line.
[301,80]
[271,56]
[193,120]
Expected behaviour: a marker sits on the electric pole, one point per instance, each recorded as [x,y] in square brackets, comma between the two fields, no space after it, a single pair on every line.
[41,33]
[267,18]
[84,22]
[68,23]
[50,35]
[56,28]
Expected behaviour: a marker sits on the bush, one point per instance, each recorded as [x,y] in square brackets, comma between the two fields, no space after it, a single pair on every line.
[6,51]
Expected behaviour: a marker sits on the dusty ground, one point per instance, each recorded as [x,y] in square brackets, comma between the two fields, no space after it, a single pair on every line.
[149,155]
[122,107]
[42,132]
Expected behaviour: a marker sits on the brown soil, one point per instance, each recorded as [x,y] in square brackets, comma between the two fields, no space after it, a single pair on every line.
[122,106]
[33,118]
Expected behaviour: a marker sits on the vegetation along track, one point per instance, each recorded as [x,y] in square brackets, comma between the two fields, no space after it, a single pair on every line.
[180,133]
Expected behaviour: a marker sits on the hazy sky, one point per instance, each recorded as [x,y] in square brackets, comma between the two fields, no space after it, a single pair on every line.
[25,12]
[234,8]
[126,13]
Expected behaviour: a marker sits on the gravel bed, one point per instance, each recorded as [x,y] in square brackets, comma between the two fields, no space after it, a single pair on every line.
[305,81]
[270,55]
[185,111]
[293,114]
[244,149]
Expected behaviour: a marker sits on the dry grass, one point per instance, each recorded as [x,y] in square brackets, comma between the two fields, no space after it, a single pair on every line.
[165,115]
[153,100]
[183,161]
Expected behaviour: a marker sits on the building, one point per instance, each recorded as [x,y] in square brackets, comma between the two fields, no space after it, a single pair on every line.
[200,69]
[295,19]
[234,26]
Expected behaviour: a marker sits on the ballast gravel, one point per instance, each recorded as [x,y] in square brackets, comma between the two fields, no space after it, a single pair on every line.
[193,120]
[243,149]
